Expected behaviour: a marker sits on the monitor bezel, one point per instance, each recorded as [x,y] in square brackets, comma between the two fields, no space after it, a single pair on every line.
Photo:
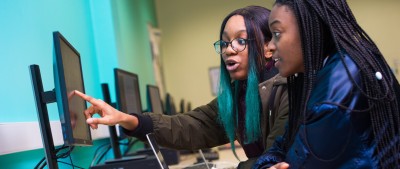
[149,102]
[61,93]
[170,107]
[118,91]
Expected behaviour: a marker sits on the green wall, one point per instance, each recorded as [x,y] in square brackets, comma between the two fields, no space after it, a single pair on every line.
[133,47]
[106,33]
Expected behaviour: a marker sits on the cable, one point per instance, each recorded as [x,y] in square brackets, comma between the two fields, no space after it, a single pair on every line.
[103,154]
[70,159]
[42,163]
[70,164]
[130,144]
[96,153]
[38,164]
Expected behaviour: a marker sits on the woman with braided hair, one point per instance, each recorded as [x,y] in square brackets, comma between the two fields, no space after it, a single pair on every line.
[343,97]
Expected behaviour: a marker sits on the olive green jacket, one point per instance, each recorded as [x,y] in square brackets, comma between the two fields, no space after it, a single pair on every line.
[200,128]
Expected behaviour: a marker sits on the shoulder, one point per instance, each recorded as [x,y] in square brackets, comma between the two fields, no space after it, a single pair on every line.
[274,81]
[337,81]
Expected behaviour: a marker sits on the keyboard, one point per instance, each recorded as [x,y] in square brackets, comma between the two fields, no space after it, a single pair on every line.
[123,159]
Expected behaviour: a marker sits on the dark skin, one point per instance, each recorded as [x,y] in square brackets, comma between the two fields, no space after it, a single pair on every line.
[286,42]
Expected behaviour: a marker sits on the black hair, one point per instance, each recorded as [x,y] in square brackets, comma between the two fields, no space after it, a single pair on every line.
[328,26]
[256,22]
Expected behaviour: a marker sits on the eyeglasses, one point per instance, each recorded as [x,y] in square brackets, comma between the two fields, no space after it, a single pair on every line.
[238,45]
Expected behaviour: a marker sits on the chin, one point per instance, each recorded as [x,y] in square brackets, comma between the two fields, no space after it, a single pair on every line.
[238,77]
[284,73]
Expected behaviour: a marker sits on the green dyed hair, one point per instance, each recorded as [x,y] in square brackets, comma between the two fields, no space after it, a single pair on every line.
[256,21]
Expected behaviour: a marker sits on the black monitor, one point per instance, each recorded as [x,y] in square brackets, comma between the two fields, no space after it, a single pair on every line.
[182,106]
[154,103]
[112,129]
[67,77]
[189,106]
[170,108]
[127,91]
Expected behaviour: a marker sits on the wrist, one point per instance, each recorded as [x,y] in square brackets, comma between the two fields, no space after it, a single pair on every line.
[128,121]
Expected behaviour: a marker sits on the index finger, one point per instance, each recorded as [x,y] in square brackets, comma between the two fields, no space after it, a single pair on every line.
[91,100]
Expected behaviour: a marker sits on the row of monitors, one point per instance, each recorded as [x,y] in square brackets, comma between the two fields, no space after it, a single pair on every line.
[128,95]
[68,77]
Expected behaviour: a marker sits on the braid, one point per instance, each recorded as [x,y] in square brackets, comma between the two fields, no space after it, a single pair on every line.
[295,90]
[324,21]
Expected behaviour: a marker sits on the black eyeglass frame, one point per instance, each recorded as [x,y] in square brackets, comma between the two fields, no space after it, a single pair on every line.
[230,43]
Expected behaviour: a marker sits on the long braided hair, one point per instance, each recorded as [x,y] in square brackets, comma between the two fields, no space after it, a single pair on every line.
[328,26]
[256,22]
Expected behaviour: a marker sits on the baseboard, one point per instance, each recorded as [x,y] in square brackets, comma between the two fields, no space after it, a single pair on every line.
[23,136]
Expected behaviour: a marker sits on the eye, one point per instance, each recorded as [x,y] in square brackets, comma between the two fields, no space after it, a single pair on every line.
[276,34]
[241,41]
[223,44]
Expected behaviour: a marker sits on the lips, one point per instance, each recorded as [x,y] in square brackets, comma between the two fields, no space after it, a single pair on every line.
[231,65]
[277,61]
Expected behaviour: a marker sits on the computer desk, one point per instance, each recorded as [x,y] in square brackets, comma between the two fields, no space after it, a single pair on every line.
[226,158]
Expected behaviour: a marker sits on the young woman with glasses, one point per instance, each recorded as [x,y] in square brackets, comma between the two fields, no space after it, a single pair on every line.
[251,107]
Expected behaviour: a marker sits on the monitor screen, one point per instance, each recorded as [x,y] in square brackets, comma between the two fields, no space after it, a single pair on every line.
[154,103]
[68,77]
[170,108]
[127,91]
[182,106]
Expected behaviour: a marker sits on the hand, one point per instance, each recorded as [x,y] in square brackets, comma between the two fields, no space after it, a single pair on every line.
[281,165]
[109,115]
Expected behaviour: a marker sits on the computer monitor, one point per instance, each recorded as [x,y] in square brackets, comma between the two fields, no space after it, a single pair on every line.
[68,77]
[170,108]
[182,106]
[127,91]
[189,107]
[154,103]
[112,129]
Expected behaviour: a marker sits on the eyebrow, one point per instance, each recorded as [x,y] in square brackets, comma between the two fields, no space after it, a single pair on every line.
[224,34]
[274,22]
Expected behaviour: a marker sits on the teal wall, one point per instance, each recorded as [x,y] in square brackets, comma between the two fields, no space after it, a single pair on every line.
[106,33]
[135,43]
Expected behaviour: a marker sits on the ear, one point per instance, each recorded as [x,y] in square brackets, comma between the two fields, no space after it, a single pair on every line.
[267,52]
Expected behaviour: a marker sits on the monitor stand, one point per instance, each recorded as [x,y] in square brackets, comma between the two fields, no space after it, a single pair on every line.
[42,98]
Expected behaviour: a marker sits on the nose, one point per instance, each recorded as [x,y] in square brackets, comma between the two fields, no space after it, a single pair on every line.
[229,50]
[271,46]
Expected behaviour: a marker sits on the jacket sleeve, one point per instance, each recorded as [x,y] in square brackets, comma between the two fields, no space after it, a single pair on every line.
[281,105]
[274,155]
[195,129]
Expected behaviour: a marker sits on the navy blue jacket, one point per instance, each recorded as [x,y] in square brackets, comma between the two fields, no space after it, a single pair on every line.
[330,136]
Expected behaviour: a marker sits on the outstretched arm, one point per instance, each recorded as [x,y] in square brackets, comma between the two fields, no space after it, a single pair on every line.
[108,115]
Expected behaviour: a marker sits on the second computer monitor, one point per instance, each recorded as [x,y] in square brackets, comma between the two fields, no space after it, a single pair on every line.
[127,91]
[154,103]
